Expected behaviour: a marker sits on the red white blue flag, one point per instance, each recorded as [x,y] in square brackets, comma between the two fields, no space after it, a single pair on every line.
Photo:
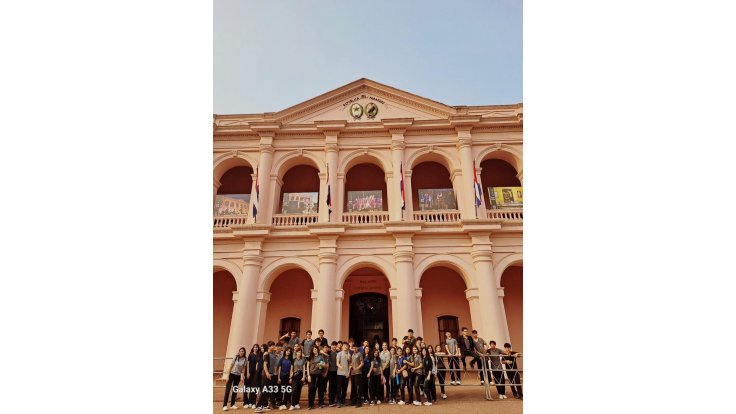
[476,187]
[255,202]
[403,199]
[329,195]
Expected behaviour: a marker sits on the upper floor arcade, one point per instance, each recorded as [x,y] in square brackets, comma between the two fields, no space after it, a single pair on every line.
[367,154]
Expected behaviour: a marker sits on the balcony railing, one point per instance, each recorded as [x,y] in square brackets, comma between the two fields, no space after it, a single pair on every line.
[229,221]
[440,216]
[516,214]
[365,217]
[292,220]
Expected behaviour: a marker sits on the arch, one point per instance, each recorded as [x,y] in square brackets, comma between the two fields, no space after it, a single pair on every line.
[297,157]
[502,152]
[230,267]
[506,262]
[273,270]
[435,154]
[383,265]
[232,159]
[361,156]
[464,269]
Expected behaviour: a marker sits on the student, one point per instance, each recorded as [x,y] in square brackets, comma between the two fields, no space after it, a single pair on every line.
[290,338]
[356,369]
[269,365]
[261,395]
[343,374]
[313,372]
[417,373]
[297,377]
[284,378]
[365,385]
[332,375]
[430,372]
[439,358]
[402,370]
[385,357]
[496,370]
[394,343]
[480,350]
[322,378]
[410,339]
[321,337]
[512,370]
[236,372]
[393,380]
[467,346]
[307,344]
[274,363]
[453,351]
[255,372]
[420,343]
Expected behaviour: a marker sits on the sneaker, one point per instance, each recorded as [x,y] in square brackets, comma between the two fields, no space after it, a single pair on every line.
[339,405]
[417,403]
[457,383]
[481,382]
[378,402]
[333,405]
[224,408]
[391,402]
[233,407]
[427,403]
[291,408]
[372,404]
[297,407]
[259,410]
[444,396]
[401,402]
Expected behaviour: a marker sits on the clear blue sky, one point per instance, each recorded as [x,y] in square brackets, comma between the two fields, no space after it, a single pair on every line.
[269,55]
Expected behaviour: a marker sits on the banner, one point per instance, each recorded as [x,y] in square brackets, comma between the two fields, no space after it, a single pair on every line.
[299,203]
[231,204]
[365,201]
[505,197]
[437,199]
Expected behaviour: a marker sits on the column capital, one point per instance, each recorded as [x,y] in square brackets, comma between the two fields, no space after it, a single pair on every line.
[418,292]
[457,172]
[327,257]
[407,174]
[314,294]
[341,176]
[275,177]
[340,294]
[235,296]
[500,291]
[252,259]
[472,294]
[393,293]
[216,182]
[263,297]
[403,256]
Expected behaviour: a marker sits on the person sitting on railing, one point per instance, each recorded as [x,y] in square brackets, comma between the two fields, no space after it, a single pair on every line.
[480,349]
[494,366]
[510,361]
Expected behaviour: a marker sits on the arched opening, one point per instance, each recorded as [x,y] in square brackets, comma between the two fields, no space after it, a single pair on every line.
[497,173]
[299,191]
[513,303]
[432,188]
[443,293]
[233,194]
[366,306]
[447,323]
[290,297]
[365,189]
[223,286]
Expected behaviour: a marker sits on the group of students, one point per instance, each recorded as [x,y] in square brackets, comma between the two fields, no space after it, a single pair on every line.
[274,374]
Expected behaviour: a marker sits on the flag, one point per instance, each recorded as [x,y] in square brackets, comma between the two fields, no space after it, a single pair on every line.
[329,197]
[255,201]
[401,184]
[476,187]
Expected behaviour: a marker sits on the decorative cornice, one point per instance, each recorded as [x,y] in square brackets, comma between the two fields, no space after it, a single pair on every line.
[472,293]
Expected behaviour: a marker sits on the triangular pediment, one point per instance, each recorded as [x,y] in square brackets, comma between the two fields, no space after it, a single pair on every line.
[364,101]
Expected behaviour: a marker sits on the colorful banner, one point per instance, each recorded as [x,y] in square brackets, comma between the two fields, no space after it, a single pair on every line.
[506,197]
[365,201]
[231,204]
[437,199]
[299,203]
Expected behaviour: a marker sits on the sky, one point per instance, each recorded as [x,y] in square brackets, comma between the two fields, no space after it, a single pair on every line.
[270,55]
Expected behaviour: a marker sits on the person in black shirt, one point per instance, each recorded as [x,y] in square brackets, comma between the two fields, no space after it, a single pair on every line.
[467,346]
[509,360]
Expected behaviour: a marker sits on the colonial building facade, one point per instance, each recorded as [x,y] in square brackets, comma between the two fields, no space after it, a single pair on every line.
[403,243]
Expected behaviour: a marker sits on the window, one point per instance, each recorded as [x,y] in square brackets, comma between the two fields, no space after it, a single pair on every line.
[447,324]
[288,325]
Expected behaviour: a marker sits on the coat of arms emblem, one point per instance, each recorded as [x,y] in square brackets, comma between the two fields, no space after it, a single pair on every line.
[371,110]
[356,111]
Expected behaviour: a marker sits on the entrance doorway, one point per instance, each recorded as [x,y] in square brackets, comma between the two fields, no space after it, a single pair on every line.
[369,317]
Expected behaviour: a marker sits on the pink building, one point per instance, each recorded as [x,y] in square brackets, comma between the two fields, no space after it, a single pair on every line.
[374,273]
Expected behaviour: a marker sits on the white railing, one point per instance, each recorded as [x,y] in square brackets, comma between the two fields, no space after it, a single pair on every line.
[365,217]
[291,220]
[229,221]
[506,214]
[440,216]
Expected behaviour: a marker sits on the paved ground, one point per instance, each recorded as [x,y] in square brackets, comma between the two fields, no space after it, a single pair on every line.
[467,399]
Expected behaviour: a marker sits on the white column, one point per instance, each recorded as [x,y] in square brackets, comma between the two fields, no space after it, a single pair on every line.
[265,160]
[500,292]
[407,301]
[493,324]
[315,310]
[232,340]
[395,316]
[409,195]
[420,330]
[340,199]
[475,314]
[339,297]
[326,312]
[466,197]
[262,299]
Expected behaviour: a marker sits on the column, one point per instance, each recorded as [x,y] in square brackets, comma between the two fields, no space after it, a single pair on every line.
[407,301]
[216,185]
[265,160]
[409,195]
[420,330]
[475,314]
[262,299]
[492,324]
[500,292]
[312,320]
[326,311]
[339,297]
[467,196]
[394,188]
[338,208]
[322,208]
[232,340]
[395,316]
